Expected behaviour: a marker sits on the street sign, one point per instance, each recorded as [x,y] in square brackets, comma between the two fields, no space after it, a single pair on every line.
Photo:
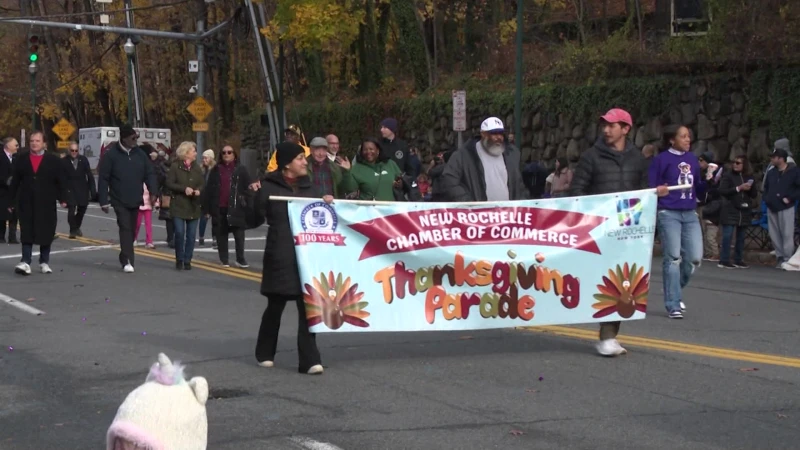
[200,109]
[63,129]
[459,110]
[194,66]
[200,126]
[62,144]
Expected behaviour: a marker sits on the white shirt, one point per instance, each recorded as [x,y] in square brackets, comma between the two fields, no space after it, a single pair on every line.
[8,155]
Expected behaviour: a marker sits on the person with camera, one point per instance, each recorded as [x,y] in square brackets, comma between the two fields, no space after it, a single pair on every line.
[738,198]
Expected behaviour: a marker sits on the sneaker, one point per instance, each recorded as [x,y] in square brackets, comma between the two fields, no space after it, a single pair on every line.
[214,245]
[45,268]
[726,265]
[790,267]
[773,253]
[315,370]
[610,347]
[676,315]
[79,232]
[187,266]
[201,242]
[683,307]
[225,264]
[128,268]
[266,364]
[711,258]
[741,265]
[151,246]
[23,269]
[242,264]
[171,244]
[136,243]
[73,235]
[178,265]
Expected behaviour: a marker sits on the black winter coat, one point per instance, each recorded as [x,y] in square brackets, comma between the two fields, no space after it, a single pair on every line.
[602,170]
[463,178]
[122,176]
[782,185]
[237,200]
[280,275]
[81,181]
[37,194]
[736,207]
[6,168]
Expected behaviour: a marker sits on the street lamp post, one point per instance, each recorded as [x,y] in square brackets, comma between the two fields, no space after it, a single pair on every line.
[129,50]
[32,69]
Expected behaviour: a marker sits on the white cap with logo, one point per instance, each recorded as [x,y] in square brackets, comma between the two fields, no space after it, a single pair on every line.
[492,125]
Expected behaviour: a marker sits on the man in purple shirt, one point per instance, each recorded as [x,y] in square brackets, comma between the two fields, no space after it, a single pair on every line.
[678,224]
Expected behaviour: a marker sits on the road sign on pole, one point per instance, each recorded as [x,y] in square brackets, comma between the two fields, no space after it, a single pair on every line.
[63,129]
[199,109]
[200,126]
[62,144]
[459,110]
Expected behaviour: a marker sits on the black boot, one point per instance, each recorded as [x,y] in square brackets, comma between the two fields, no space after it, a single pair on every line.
[178,265]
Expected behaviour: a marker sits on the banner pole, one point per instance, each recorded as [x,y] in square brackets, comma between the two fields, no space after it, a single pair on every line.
[378,202]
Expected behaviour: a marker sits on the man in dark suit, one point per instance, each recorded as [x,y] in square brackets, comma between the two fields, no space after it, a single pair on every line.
[10,147]
[38,181]
[82,187]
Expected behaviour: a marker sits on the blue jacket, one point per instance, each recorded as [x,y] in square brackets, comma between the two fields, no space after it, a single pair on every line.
[780,185]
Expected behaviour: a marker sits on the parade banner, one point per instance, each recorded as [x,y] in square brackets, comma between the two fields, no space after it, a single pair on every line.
[372,266]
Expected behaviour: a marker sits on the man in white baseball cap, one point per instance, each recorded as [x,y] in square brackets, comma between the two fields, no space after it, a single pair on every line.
[485,169]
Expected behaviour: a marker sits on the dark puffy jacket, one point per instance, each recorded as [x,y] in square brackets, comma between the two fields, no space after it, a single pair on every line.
[736,207]
[602,170]
[121,176]
[280,274]
[780,185]
[239,197]
[463,178]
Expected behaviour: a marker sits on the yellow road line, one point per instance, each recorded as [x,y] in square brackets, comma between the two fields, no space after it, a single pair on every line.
[577,333]
[673,346]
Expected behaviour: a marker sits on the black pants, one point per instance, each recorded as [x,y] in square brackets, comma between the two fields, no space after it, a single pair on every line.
[223,228]
[75,215]
[267,343]
[12,227]
[170,231]
[126,221]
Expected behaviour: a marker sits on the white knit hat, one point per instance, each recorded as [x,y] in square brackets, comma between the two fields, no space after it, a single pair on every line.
[165,413]
[209,153]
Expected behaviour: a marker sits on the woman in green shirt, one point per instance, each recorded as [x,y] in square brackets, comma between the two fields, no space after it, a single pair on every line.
[376,178]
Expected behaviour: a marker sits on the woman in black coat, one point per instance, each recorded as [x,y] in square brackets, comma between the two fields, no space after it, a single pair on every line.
[280,280]
[36,191]
[228,207]
[82,188]
[738,200]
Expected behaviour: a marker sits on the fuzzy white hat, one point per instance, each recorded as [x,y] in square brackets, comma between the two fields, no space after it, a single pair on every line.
[209,153]
[165,413]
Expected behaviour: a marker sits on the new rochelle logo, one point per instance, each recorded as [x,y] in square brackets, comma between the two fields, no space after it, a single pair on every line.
[629,214]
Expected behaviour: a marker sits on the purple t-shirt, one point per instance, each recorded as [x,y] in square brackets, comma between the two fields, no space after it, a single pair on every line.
[674,168]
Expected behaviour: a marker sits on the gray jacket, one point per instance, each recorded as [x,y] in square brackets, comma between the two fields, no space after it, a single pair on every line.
[463,178]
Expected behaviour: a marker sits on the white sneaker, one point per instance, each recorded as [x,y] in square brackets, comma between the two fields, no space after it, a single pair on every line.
[610,347]
[45,268]
[790,267]
[683,307]
[128,268]
[136,243]
[266,364]
[315,370]
[23,269]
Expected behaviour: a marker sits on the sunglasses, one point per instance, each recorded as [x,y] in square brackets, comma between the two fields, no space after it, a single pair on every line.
[738,163]
[227,153]
[73,151]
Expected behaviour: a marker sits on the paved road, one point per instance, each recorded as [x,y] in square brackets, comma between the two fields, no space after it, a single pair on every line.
[688,384]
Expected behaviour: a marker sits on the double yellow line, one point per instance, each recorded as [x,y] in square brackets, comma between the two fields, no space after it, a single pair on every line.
[570,332]
[672,346]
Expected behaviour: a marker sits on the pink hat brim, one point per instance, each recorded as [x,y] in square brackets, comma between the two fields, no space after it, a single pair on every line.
[132,433]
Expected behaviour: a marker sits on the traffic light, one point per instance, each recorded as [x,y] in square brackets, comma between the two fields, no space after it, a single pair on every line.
[33,47]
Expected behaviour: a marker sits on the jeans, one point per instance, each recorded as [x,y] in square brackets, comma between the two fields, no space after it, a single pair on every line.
[222,238]
[203,223]
[185,231]
[126,221]
[75,215]
[738,251]
[682,245]
[27,254]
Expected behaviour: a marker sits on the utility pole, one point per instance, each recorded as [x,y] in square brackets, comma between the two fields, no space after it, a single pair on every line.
[133,60]
[518,91]
[32,68]
[201,77]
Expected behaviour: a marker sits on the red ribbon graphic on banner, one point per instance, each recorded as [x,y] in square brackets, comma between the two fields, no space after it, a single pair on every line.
[446,227]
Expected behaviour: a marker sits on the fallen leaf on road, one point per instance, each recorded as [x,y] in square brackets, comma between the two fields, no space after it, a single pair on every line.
[516,432]
[31,299]
[749,369]
[782,416]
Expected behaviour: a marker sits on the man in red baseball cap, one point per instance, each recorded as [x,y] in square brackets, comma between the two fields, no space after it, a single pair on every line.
[612,165]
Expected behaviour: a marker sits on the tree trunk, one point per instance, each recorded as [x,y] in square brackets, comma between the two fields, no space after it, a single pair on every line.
[412,43]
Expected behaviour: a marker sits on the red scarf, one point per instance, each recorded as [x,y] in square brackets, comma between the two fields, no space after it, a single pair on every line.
[36,160]
[292,182]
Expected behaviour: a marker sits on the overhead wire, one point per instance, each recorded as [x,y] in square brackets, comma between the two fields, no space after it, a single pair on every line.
[94,13]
